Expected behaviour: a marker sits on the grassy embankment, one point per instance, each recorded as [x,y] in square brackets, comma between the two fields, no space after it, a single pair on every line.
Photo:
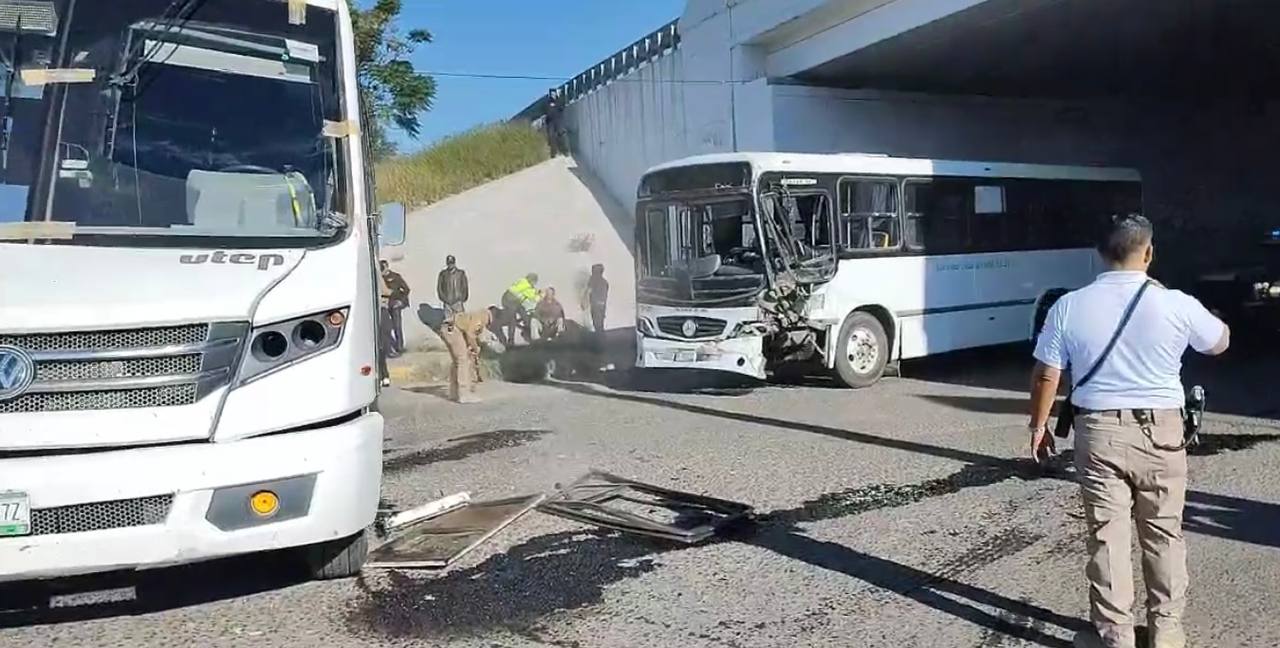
[458,163]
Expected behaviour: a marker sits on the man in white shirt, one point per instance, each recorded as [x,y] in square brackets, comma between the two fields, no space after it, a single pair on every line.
[1129,452]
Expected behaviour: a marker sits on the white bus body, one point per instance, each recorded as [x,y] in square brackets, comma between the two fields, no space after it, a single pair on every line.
[748,261]
[187,306]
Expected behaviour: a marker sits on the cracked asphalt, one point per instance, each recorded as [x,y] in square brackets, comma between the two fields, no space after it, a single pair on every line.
[901,515]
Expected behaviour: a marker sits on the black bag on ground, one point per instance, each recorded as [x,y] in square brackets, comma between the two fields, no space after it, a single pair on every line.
[1066,410]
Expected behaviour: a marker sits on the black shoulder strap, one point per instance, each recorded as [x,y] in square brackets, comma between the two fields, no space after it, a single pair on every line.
[1124,321]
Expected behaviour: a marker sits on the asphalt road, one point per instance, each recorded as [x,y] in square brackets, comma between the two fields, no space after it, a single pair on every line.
[901,515]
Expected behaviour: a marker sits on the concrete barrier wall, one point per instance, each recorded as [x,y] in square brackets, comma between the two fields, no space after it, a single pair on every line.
[630,124]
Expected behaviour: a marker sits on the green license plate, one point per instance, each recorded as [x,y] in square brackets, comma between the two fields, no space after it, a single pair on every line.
[15,514]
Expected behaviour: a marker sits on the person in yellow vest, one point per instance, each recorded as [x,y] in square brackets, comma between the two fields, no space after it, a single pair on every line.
[517,301]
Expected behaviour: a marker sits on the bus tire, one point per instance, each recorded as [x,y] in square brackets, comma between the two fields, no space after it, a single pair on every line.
[862,351]
[339,558]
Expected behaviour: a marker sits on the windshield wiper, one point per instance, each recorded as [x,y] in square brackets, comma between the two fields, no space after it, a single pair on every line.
[175,17]
[329,223]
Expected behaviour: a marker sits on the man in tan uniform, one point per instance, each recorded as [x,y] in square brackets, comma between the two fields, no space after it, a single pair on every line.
[1124,336]
[462,335]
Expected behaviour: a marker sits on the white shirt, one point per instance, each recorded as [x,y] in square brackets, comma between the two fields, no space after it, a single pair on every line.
[1143,370]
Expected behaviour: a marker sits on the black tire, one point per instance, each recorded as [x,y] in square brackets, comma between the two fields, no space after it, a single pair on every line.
[341,558]
[861,367]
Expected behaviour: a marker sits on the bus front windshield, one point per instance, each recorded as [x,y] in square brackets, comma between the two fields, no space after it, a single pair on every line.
[184,122]
[703,239]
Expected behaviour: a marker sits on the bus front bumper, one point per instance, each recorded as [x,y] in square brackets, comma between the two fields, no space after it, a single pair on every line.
[741,355]
[154,507]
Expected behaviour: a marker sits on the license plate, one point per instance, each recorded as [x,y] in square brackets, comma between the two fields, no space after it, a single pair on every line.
[15,514]
[686,356]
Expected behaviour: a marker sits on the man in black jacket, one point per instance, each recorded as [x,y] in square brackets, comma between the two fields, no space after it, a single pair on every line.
[397,301]
[452,288]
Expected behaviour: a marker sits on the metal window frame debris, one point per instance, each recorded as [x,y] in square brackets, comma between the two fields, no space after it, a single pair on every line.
[404,551]
[427,511]
[587,500]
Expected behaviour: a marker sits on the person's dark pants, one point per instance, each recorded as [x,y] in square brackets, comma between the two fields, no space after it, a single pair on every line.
[513,315]
[384,341]
[397,329]
[597,317]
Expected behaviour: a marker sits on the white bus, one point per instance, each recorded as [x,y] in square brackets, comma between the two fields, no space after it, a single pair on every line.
[187,286]
[749,261]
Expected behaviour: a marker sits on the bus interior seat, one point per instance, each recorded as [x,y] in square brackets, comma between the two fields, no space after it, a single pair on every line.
[703,266]
[245,202]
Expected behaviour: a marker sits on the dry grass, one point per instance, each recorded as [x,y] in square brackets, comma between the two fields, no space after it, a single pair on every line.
[459,163]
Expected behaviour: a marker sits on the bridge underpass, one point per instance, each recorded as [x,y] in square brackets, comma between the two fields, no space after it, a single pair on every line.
[1179,89]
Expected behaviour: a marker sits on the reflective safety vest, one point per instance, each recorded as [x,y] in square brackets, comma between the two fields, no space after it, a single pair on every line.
[525,291]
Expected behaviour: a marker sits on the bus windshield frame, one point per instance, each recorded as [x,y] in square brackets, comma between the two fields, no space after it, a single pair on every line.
[194,124]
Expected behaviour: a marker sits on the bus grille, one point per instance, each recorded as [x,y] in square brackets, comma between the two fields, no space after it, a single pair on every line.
[109,340]
[704,327]
[101,400]
[126,369]
[100,516]
[102,369]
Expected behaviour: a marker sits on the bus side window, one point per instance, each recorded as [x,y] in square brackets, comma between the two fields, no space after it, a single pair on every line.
[915,199]
[869,214]
[941,211]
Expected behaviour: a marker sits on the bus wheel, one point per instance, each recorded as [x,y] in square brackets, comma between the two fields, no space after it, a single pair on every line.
[339,558]
[862,350]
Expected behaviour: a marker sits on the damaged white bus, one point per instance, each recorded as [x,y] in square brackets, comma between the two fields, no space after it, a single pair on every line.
[748,262]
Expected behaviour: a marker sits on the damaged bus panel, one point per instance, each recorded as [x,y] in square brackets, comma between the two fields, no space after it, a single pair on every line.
[747,262]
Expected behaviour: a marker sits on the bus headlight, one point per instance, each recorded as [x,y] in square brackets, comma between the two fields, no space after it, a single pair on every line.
[275,346]
[644,327]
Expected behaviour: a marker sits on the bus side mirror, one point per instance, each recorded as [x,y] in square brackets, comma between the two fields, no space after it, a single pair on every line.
[391,225]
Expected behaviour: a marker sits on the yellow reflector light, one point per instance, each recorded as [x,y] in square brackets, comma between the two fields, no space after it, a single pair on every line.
[264,503]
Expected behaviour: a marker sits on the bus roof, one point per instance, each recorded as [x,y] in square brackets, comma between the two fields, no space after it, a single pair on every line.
[860,163]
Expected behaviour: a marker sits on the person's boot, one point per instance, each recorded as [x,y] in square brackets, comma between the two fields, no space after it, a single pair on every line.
[1166,633]
[1116,637]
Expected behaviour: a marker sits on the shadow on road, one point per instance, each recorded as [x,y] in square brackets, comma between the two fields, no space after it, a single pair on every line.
[1239,383]
[515,590]
[460,448]
[1230,516]
[27,603]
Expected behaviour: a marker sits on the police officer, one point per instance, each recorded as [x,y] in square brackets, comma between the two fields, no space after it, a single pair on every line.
[517,301]
[1129,454]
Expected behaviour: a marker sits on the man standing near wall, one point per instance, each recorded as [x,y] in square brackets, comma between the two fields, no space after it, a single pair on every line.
[1126,336]
[597,297]
[452,287]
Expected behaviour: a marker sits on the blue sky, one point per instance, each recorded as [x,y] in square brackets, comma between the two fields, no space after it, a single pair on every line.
[558,38]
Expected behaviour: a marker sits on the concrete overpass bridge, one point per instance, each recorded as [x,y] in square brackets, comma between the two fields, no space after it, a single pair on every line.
[1184,90]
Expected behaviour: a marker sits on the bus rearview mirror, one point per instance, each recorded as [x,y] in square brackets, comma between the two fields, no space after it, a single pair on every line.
[391,226]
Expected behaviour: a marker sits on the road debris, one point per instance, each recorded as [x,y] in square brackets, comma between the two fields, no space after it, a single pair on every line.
[436,542]
[613,502]
[427,511]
